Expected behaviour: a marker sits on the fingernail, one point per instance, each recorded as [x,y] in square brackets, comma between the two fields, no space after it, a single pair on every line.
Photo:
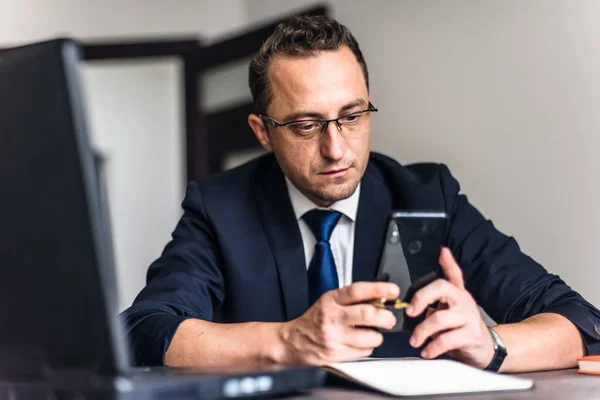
[410,309]
[424,354]
[413,342]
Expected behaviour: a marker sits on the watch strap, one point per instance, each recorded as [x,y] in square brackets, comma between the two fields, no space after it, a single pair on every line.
[499,352]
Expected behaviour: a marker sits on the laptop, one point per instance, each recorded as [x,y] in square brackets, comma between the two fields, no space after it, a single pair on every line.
[60,334]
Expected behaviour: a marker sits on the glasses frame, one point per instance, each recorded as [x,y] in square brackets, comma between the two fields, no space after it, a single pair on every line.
[338,124]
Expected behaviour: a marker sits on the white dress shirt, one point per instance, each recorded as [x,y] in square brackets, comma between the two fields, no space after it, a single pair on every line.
[342,237]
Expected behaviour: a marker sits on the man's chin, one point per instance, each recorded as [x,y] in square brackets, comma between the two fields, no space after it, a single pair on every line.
[335,192]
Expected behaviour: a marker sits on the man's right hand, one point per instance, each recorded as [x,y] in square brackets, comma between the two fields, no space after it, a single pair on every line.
[338,327]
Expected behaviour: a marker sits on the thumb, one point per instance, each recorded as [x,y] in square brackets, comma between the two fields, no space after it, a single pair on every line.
[451,268]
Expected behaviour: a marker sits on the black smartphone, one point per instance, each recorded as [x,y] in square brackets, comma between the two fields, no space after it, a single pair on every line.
[410,259]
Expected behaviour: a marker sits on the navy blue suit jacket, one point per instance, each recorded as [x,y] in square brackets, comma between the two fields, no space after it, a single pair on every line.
[237,256]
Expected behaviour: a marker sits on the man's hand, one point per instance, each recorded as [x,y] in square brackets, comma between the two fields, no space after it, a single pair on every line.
[456,327]
[336,327]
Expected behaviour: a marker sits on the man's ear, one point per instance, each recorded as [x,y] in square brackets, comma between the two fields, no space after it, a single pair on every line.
[260,131]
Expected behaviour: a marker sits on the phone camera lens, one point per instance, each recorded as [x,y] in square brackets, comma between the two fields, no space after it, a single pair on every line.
[414,247]
[395,237]
[395,234]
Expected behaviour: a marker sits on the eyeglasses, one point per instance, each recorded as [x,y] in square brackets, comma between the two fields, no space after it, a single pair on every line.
[307,129]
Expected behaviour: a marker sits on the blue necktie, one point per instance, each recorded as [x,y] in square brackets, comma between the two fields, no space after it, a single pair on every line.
[322,275]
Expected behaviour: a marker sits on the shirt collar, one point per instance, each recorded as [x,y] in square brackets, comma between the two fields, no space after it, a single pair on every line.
[302,204]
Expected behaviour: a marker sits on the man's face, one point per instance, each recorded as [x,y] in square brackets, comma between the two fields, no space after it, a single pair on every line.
[327,86]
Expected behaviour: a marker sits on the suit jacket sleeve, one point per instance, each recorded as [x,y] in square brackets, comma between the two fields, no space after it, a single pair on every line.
[185,282]
[508,284]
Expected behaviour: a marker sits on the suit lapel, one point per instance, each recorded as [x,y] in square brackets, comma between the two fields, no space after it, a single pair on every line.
[374,207]
[281,228]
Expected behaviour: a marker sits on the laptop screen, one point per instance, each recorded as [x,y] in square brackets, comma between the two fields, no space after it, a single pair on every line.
[57,284]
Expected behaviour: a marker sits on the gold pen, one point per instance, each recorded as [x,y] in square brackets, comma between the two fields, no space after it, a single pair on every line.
[383,302]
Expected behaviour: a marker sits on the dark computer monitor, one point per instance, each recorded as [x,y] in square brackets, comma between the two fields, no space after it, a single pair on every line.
[59,328]
[53,237]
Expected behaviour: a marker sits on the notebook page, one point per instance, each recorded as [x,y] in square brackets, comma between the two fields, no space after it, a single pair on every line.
[386,358]
[426,377]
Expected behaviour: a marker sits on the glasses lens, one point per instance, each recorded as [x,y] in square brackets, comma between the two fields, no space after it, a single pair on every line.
[356,123]
[351,124]
[304,130]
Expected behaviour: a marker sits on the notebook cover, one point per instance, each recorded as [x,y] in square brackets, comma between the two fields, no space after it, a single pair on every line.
[594,359]
[589,358]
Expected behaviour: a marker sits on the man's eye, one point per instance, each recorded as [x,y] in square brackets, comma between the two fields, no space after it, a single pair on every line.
[349,119]
[305,127]
[308,127]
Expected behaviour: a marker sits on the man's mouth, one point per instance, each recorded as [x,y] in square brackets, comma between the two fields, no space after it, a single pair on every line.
[335,172]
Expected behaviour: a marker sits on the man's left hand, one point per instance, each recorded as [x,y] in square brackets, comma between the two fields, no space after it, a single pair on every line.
[456,326]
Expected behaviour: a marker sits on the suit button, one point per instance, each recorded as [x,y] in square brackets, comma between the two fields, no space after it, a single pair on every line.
[597,329]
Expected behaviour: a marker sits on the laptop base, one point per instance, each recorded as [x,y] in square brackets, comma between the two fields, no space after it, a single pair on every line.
[168,384]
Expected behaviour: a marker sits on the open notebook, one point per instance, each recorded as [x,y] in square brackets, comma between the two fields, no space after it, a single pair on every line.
[416,377]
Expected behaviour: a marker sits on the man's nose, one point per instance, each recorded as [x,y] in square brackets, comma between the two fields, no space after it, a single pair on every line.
[333,143]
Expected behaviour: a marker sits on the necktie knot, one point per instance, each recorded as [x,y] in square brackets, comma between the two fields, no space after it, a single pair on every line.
[322,223]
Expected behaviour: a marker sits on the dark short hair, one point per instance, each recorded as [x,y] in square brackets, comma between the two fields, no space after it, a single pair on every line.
[301,36]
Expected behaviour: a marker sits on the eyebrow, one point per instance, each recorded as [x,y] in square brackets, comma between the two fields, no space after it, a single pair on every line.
[298,115]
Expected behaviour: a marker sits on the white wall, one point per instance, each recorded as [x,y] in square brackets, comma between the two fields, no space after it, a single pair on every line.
[507,93]
[27,20]
[135,109]
[135,112]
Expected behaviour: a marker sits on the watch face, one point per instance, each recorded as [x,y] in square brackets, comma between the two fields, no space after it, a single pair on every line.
[498,340]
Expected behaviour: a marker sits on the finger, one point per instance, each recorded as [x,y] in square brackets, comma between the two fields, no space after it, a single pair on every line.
[436,323]
[362,338]
[439,290]
[451,268]
[448,341]
[430,311]
[364,291]
[368,315]
[441,306]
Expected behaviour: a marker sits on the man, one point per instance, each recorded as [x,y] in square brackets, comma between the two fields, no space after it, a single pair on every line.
[254,276]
